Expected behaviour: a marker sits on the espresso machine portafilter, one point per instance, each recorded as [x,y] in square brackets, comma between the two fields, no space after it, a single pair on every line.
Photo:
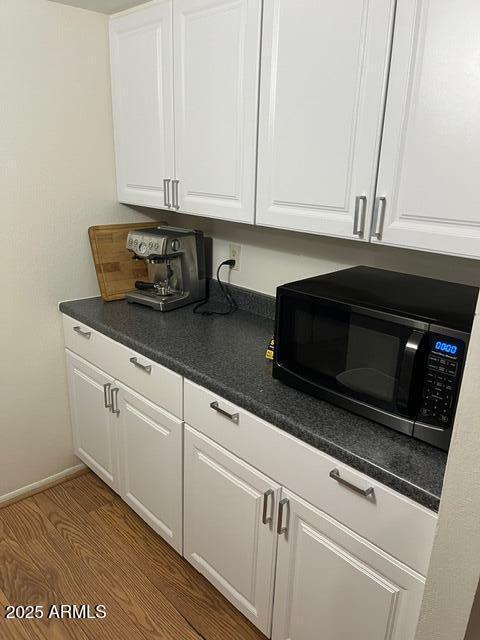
[176,267]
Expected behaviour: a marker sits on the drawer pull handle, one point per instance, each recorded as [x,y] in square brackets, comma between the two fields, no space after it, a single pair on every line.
[366,493]
[144,367]
[107,399]
[114,404]
[234,417]
[280,528]
[85,334]
[267,519]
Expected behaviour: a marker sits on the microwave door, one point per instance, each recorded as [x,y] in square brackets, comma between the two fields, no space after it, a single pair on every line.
[362,359]
[378,362]
[410,380]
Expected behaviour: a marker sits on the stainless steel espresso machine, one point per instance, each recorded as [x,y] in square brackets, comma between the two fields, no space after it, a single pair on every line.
[176,267]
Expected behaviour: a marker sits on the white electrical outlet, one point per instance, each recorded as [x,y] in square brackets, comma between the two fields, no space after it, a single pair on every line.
[235,252]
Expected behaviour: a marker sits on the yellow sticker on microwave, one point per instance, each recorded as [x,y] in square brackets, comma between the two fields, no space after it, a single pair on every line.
[270,350]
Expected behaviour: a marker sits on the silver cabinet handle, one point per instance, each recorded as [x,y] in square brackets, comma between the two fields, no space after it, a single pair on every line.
[366,493]
[106,395]
[378,216]
[81,332]
[267,519]
[359,216]
[234,417]
[280,528]
[144,367]
[166,192]
[114,405]
[175,204]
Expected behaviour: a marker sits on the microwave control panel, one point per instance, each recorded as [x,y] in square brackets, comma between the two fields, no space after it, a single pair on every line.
[444,364]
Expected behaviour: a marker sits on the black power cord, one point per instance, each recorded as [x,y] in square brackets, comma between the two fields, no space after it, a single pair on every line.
[224,289]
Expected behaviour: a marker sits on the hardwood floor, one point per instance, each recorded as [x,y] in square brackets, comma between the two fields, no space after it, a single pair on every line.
[78,543]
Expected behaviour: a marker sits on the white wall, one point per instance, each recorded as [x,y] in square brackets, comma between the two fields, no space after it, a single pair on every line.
[453,574]
[270,257]
[56,179]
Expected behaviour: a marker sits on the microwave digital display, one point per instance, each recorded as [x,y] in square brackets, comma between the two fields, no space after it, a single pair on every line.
[446,347]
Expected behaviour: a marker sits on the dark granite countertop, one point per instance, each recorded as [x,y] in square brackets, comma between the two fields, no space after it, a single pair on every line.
[226,354]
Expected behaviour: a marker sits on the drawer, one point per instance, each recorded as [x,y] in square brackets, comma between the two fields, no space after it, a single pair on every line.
[85,342]
[389,520]
[156,383]
[153,381]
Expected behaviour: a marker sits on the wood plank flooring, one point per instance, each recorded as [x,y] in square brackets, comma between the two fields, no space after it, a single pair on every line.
[78,543]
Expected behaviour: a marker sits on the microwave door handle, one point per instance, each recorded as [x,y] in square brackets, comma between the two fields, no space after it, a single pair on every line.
[412,350]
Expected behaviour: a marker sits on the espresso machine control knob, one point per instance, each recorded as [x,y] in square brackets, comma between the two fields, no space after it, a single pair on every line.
[142,247]
[175,245]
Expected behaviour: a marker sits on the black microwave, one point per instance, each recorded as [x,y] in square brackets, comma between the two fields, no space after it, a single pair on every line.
[388,346]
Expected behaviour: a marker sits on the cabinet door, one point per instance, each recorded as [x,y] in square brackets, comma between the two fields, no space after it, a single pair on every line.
[142,94]
[94,436]
[430,160]
[225,538]
[150,454]
[217,49]
[324,69]
[332,584]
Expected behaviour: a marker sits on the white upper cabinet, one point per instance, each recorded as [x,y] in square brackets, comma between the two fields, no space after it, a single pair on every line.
[217,50]
[323,80]
[142,88]
[430,159]
[186,104]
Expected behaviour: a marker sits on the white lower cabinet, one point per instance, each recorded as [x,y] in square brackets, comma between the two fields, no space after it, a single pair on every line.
[229,526]
[332,584]
[299,568]
[335,578]
[94,435]
[132,444]
[150,455]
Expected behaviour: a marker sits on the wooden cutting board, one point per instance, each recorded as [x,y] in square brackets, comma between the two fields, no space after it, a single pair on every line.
[116,271]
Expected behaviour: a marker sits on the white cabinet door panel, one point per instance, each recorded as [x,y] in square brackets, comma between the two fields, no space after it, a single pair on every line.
[217,48]
[94,433]
[142,93]
[225,537]
[332,584]
[430,159]
[324,68]
[150,446]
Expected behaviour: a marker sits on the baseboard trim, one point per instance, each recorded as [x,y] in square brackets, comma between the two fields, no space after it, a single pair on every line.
[42,485]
